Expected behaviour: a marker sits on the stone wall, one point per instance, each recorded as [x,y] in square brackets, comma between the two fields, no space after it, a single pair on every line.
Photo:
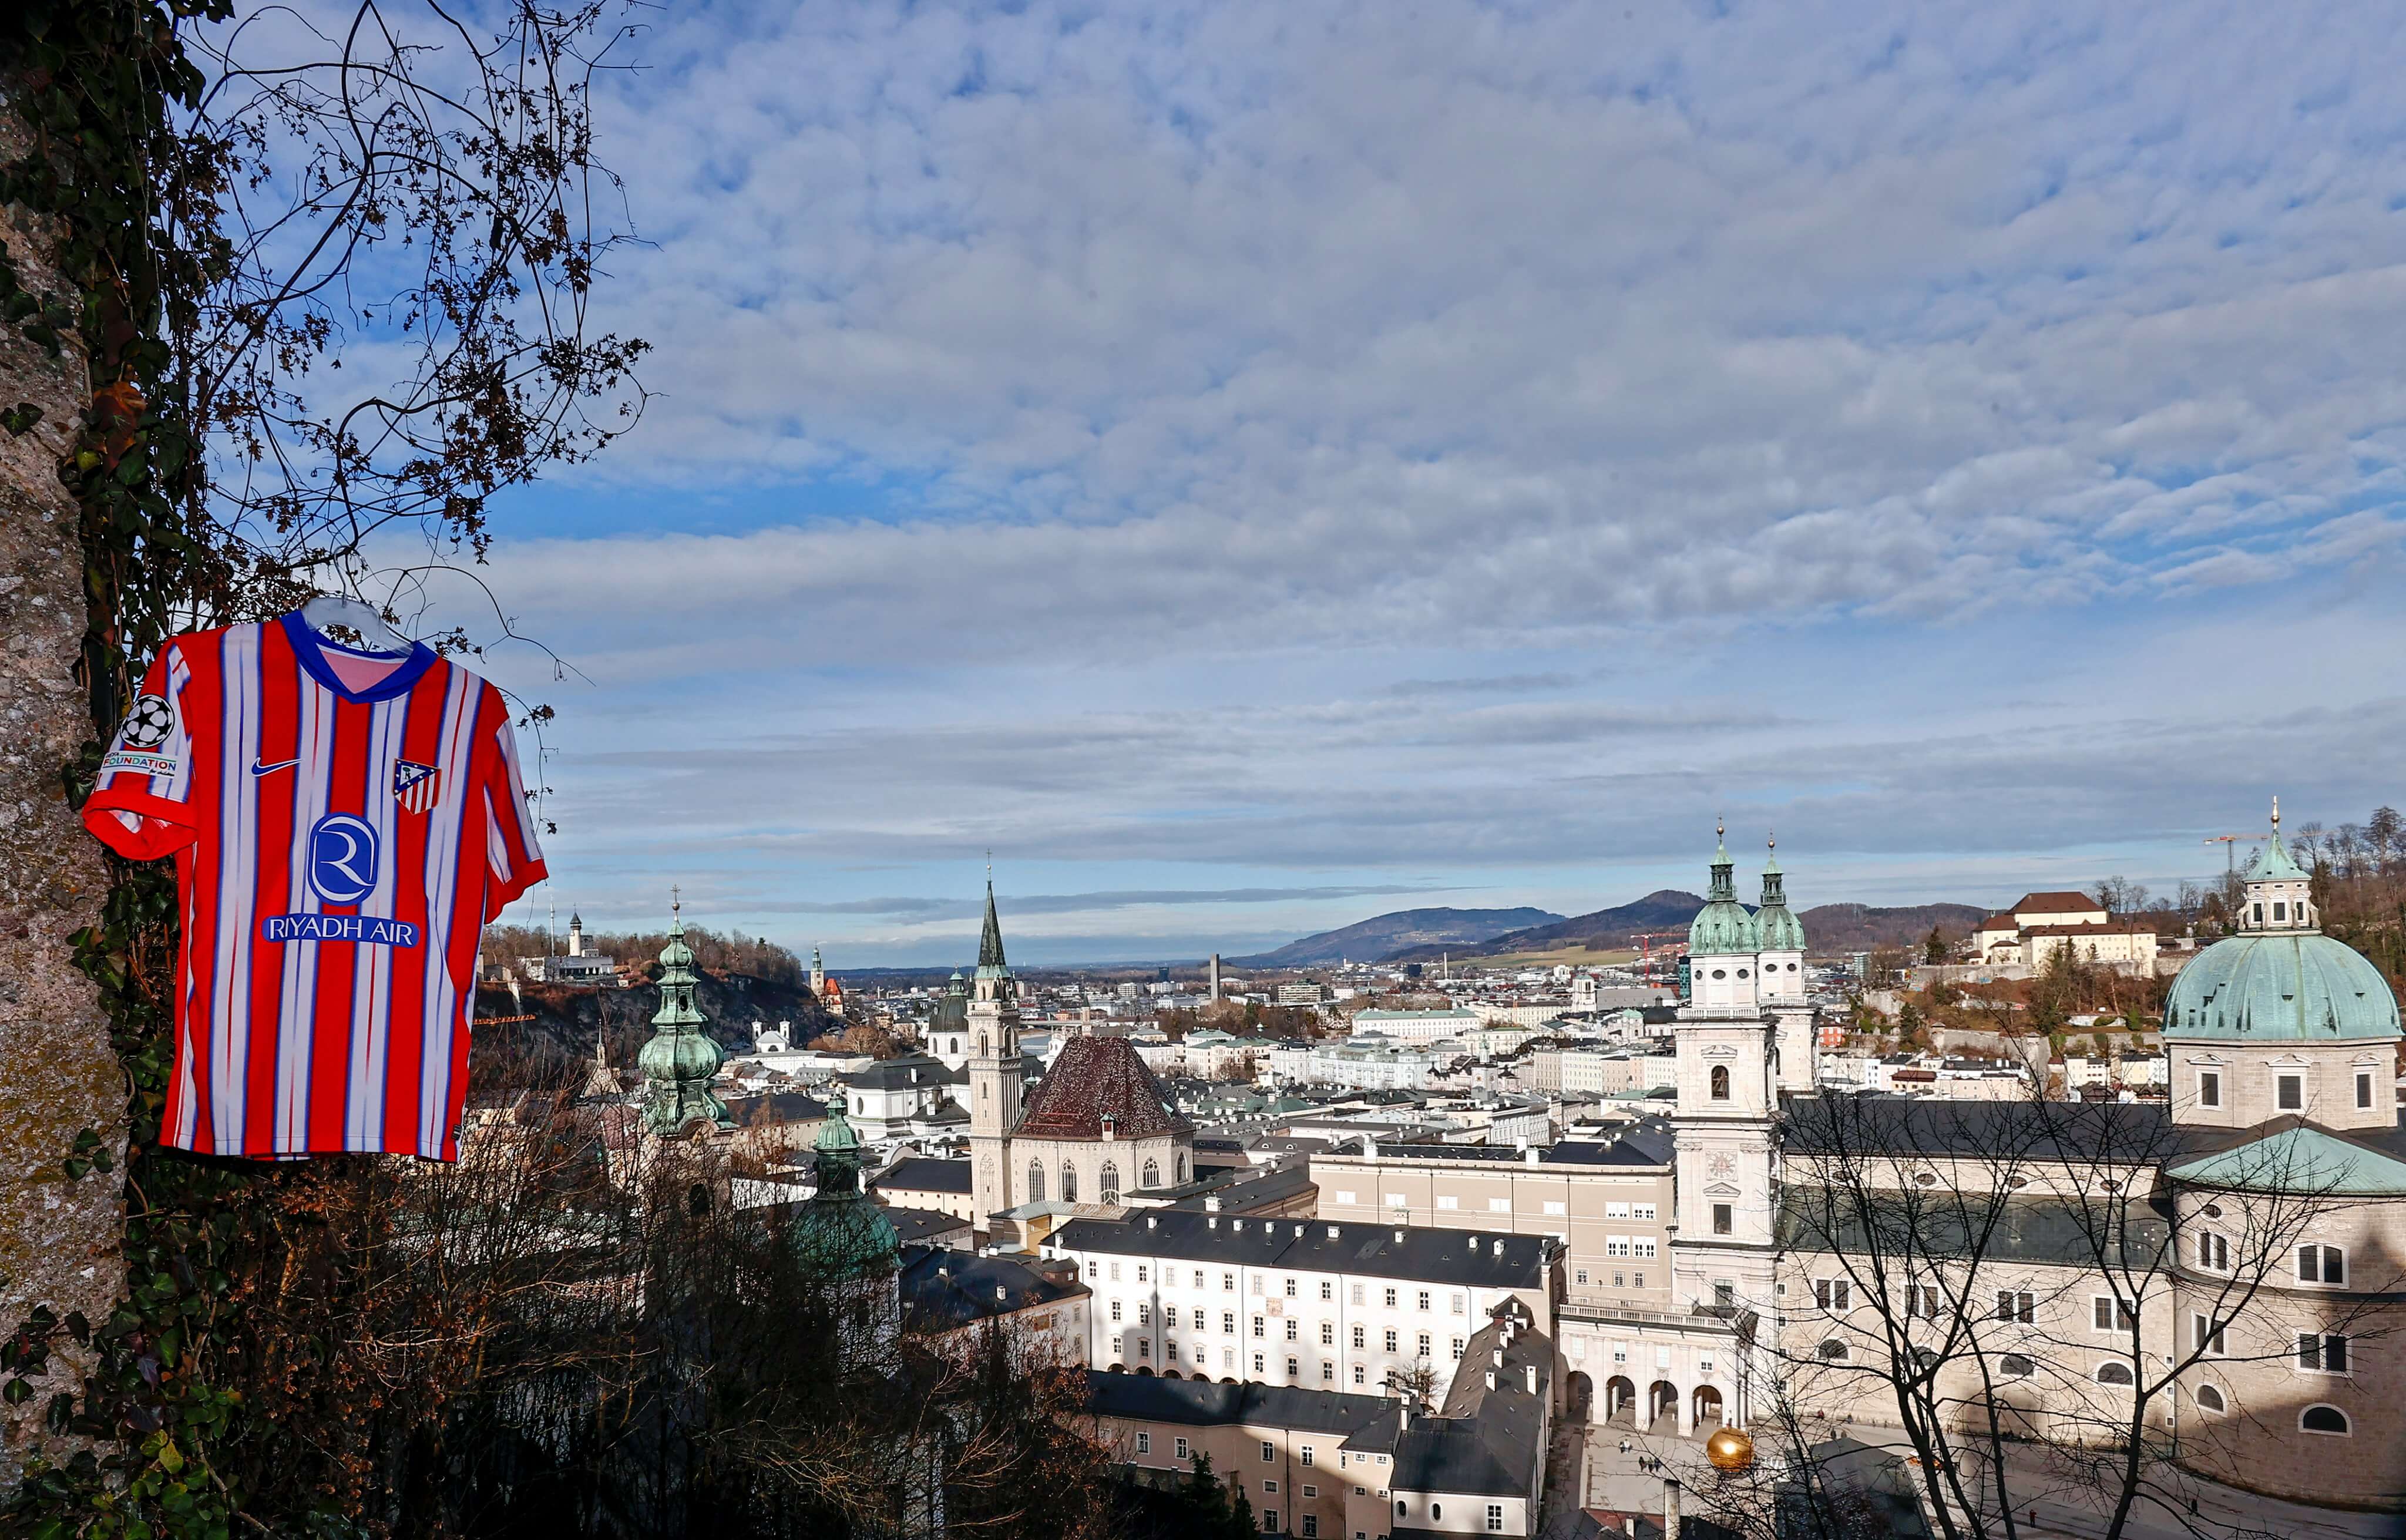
[60,1240]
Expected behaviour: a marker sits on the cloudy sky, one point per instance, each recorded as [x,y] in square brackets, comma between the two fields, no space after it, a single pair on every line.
[1253,466]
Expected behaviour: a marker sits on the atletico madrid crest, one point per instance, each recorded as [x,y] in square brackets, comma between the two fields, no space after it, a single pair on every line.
[415,786]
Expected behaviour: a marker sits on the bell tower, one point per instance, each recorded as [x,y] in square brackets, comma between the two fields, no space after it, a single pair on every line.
[995,1072]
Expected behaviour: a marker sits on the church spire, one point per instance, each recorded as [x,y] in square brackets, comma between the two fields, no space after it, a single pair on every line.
[1724,884]
[990,940]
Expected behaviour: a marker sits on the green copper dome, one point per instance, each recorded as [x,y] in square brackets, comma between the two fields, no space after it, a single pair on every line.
[1775,925]
[841,1232]
[2296,987]
[680,1060]
[1723,927]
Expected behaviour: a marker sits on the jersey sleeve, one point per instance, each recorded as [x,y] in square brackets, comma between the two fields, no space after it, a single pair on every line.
[513,859]
[141,803]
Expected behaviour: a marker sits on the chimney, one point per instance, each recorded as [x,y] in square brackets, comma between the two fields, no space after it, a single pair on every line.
[1240,1224]
[1400,1237]
[1532,1156]
[1213,1222]
[1002,1294]
[1499,1247]
[1491,1380]
[1332,1232]
[1405,1420]
[1671,1510]
[1532,1371]
[1499,1363]
[1211,1204]
[1151,1222]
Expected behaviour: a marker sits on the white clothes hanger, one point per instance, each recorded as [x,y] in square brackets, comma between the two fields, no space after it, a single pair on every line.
[352,614]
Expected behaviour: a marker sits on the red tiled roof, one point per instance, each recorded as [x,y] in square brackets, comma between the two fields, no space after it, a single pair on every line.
[2111,927]
[2057,903]
[1094,1078]
[2000,921]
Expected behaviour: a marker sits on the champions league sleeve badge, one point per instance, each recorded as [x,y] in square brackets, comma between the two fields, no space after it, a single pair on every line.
[415,786]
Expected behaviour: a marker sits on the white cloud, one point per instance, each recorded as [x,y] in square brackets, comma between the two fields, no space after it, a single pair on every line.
[1265,359]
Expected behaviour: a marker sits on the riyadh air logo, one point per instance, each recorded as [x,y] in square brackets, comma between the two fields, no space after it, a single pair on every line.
[415,786]
[341,859]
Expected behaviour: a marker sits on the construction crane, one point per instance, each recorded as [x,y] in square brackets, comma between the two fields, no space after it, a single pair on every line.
[2230,844]
[1646,939]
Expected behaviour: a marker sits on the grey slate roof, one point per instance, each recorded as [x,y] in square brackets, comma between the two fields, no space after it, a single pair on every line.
[1422,1254]
[1204,1402]
[945,1290]
[1488,1443]
[2049,1231]
[1839,1123]
[894,1074]
[926,1173]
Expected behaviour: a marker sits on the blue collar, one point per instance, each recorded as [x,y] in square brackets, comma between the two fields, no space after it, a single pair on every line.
[311,649]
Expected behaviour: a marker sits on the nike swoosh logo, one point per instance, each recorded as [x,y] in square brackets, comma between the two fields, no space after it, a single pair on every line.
[258,769]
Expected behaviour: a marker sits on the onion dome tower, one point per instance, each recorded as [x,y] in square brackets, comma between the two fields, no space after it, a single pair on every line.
[1779,935]
[1722,940]
[841,1234]
[680,1060]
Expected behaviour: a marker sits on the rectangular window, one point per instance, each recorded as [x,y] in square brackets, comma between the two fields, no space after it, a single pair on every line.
[1637,1281]
[1144,1315]
[1556,1205]
[1833,1294]
[1144,1347]
[1144,1443]
[2107,1314]
[1398,1200]
[1290,1325]
[1269,1515]
[1448,1202]
[1310,1520]
[1358,1294]
[1291,1369]
[1328,1333]
[1424,1299]
[2321,1265]
[1425,1345]
[1327,1373]
[1327,1290]
[1290,1288]
[2292,1094]
[2364,1088]
[2204,1336]
[1140,1272]
[1583,1277]
[1724,1290]
[1258,1280]
[1390,1339]
[1723,1218]
[1921,1302]
[1257,1364]
[1641,1210]
[2214,1252]
[1345,1194]
[1228,1322]
[1457,1346]
[1115,1310]
[2322,1352]
[1307,1460]
[1459,1305]
[1619,1282]
[1258,1327]
[2209,1088]
[1391,1299]
[1358,1340]
[1357,1374]
[1198,1277]
[1181,1449]
[2016,1304]
[1227,1283]
[1495,1518]
[1616,1210]
[1499,1205]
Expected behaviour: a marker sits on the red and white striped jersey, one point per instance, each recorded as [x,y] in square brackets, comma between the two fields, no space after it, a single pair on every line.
[342,823]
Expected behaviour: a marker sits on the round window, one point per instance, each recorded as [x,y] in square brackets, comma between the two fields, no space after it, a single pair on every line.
[1741,973]
[1719,974]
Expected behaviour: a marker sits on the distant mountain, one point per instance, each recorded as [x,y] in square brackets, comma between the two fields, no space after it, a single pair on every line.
[1430,928]
[1665,909]
[1855,927]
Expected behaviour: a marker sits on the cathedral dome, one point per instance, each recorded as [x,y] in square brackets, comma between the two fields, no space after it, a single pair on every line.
[1723,927]
[2299,987]
[2280,979]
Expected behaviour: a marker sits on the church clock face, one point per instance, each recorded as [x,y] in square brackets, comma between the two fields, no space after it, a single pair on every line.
[1720,1165]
